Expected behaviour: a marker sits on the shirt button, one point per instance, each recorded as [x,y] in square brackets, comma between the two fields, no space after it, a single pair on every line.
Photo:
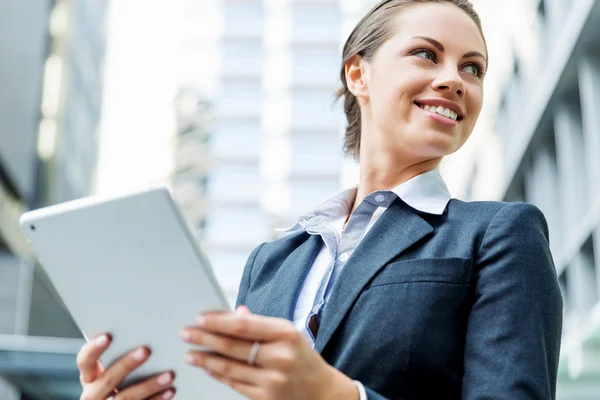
[343,257]
[380,198]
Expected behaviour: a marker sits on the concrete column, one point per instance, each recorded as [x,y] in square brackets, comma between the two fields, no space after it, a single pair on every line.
[582,283]
[572,168]
[557,12]
[589,88]
[596,244]
[541,184]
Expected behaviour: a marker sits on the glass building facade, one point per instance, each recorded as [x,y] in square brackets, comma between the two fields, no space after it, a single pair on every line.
[51,74]
[549,128]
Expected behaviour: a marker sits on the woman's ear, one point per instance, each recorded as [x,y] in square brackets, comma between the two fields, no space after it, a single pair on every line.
[355,76]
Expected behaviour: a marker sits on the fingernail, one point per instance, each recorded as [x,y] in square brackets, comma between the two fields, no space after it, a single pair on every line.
[200,321]
[164,379]
[139,355]
[189,359]
[185,335]
[101,341]
[168,395]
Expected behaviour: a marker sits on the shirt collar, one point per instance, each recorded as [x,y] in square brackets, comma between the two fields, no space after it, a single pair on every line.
[426,192]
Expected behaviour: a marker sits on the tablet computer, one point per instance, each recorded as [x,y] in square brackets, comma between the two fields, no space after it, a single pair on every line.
[130,265]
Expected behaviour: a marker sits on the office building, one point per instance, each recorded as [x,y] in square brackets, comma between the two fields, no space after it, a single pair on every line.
[52,75]
[235,221]
[549,128]
[302,120]
[274,147]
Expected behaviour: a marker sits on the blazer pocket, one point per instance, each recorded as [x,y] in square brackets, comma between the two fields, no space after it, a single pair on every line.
[440,270]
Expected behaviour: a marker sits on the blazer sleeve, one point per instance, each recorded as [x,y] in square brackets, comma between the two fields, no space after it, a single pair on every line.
[246,277]
[514,327]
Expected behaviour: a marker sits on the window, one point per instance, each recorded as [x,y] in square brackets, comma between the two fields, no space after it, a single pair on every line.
[316,65]
[244,19]
[315,109]
[235,225]
[316,15]
[316,22]
[317,154]
[231,183]
[241,97]
[237,141]
[242,57]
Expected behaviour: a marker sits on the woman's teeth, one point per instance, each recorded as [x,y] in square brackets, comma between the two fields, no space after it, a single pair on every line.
[441,110]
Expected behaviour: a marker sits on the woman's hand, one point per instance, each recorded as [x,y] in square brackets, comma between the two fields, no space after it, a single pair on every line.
[99,383]
[286,366]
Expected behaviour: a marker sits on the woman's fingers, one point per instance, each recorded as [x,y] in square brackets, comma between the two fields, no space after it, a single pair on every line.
[246,326]
[99,384]
[242,310]
[166,395]
[241,377]
[250,391]
[87,358]
[232,369]
[112,377]
[157,387]
[273,355]
[228,346]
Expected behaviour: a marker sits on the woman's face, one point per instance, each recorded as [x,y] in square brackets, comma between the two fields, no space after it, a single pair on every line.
[423,88]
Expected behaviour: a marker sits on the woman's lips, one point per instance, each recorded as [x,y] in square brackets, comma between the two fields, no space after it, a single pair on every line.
[439,118]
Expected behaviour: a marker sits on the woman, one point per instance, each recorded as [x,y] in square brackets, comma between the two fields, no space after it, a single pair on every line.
[391,290]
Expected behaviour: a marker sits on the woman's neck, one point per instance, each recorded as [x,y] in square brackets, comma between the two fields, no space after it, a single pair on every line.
[378,174]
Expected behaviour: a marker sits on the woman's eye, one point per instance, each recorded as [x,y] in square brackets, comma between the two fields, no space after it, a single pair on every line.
[426,54]
[473,69]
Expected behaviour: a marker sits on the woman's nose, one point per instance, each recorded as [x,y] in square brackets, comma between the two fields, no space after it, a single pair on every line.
[450,81]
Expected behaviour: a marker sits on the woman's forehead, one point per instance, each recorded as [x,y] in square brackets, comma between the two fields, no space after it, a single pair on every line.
[444,23]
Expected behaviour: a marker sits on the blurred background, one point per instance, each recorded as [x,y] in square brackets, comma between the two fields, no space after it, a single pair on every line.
[230,103]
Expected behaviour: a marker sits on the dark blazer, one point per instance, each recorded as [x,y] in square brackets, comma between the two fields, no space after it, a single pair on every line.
[464,305]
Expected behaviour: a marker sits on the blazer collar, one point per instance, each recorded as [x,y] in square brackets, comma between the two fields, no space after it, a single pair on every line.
[284,288]
[397,230]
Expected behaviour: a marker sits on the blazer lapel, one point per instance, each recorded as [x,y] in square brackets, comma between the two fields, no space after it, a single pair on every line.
[396,230]
[284,289]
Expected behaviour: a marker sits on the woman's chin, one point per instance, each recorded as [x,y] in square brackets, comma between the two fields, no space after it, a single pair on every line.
[439,143]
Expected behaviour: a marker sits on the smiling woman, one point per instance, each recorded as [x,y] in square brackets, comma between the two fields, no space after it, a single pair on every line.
[410,43]
[389,290]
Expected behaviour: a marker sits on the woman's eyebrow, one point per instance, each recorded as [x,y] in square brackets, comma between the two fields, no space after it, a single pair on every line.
[476,54]
[440,47]
[434,42]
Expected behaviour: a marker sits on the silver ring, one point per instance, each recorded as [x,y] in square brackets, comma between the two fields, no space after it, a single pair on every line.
[253,353]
